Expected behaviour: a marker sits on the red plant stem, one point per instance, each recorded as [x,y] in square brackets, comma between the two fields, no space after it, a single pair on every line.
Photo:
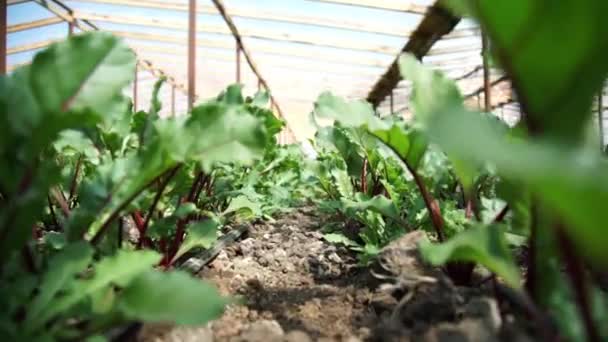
[52,210]
[159,193]
[74,183]
[195,185]
[431,204]
[364,177]
[468,211]
[62,201]
[202,186]
[97,237]
[139,220]
[501,215]
[578,279]
[181,224]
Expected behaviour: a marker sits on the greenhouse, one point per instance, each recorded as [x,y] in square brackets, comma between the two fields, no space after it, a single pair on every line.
[303,170]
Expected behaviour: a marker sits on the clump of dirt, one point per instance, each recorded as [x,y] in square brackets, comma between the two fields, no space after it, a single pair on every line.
[297,287]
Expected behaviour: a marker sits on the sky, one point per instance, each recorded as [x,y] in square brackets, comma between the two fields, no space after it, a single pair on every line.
[295,81]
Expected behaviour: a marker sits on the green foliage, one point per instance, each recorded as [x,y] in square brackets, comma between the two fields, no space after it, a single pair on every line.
[78,167]
[485,245]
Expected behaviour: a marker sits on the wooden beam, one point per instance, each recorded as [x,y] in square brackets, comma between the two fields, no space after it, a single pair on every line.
[34,24]
[16,2]
[258,33]
[176,56]
[398,6]
[437,22]
[266,15]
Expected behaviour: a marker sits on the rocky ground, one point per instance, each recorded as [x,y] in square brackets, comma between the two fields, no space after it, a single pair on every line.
[297,287]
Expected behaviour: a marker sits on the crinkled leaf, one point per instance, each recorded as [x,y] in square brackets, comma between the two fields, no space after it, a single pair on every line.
[485,245]
[119,269]
[174,297]
[62,269]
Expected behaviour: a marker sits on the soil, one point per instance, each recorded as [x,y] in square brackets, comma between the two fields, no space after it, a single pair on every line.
[297,287]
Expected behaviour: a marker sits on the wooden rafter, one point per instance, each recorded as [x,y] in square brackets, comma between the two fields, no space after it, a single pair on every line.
[261,14]
[392,5]
[437,22]
[34,24]
[258,33]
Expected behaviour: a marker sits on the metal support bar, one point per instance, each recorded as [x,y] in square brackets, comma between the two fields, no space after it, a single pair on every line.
[486,73]
[172,100]
[135,90]
[238,62]
[191,53]
[3,24]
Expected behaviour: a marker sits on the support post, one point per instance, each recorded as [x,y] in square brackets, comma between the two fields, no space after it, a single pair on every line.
[135,89]
[259,85]
[3,23]
[392,104]
[71,24]
[173,100]
[238,62]
[191,53]
[486,73]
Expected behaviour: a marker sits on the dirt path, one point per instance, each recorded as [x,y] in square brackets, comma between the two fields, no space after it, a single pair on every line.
[297,287]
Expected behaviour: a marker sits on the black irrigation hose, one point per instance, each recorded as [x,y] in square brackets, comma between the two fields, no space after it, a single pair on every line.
[194,264]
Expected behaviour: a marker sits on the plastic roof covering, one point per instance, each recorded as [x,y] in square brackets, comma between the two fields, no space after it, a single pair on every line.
[295,71]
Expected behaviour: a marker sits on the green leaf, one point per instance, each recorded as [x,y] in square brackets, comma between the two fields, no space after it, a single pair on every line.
[85,71]
[432,92]
[571,181]
[379,204]
[545,74]
[231,134]
[185,209]
[339,238]
[119,269]
[408,144]
[199,234]
[174,297]
[62,269]
[485,245]
[243,203]
[353,114]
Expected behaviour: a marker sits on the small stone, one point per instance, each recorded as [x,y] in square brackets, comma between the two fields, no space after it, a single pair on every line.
[263,261]
[333,256]
[262,331]
[246,247]
[297,336]
[486,309]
